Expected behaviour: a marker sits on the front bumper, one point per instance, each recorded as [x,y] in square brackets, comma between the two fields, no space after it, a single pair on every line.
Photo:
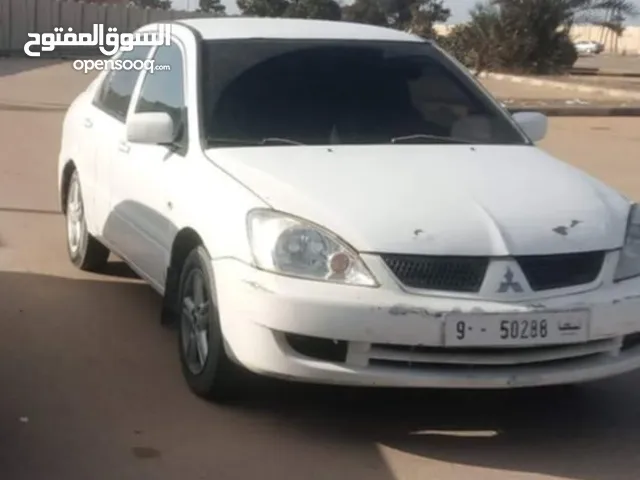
[392,338]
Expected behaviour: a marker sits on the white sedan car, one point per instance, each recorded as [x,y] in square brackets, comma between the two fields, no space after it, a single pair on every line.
[340,203]
[588,47]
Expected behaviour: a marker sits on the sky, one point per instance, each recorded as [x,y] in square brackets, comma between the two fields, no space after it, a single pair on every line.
[459,8]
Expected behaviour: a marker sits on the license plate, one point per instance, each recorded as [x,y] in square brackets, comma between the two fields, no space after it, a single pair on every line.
[519,329]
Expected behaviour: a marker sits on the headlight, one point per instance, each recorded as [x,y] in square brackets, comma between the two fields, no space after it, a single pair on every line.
[629,263]
[291,246]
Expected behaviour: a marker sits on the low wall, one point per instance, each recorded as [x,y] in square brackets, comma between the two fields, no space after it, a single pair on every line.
[628,43]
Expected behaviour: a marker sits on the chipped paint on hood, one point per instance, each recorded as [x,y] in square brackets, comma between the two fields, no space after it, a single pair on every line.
[436,199]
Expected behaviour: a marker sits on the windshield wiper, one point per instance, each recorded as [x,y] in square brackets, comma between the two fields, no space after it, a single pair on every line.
[230,141]
[279,141]
[423,136]
[241,141]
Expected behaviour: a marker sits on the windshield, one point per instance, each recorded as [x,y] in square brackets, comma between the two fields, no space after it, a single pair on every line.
[284,92]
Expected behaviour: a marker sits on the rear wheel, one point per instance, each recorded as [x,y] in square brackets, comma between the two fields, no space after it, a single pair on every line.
[207,369]
[85,252]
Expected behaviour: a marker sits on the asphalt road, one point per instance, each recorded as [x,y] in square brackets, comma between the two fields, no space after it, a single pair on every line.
[630,63]
[90,386]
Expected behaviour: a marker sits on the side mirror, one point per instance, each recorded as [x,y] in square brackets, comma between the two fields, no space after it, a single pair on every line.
[534,124]
[154,128]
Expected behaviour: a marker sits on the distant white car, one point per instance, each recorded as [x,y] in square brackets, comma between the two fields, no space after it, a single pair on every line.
[342,203]
[588,47]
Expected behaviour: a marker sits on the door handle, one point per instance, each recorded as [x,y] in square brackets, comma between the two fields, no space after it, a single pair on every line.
[124,147]
[88,123]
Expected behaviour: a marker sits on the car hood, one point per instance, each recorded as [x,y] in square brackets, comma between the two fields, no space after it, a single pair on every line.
[436,199]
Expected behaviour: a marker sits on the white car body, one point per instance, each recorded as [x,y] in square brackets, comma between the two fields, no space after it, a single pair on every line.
[588,47]
[498,202]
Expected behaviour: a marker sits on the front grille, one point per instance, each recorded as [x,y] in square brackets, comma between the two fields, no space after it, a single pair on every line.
[466,274]
[545,272]
[455,274]
[405,356]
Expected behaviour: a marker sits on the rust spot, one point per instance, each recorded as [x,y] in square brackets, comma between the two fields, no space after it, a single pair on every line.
[401,310]
[537,306]
[257,286]
[563,230]
[145,453]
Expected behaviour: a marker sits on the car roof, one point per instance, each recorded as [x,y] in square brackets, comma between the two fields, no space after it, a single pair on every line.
[290,28]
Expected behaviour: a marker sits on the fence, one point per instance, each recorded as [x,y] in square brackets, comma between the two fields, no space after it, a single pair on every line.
[19,17]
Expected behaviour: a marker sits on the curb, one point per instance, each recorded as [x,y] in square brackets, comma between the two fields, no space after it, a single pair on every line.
[559,111]
[574,87]
[588,72]
[6,107]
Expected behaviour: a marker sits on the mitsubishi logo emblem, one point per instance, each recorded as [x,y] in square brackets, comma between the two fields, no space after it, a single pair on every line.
[508,283]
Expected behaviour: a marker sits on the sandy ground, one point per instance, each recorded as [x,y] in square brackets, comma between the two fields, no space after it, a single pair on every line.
[91,387]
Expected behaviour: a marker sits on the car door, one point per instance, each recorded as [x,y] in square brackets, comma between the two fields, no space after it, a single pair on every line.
[79,144]
[105,121]
[140,173]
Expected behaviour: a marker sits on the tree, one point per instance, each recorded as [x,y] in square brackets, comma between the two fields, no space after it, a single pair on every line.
[318,9]
[612,27]
[592,11]
[161,4]
[526,36]
[263,8]
[424,15]
[476,43]
[416,16]
[536,32]
[212,6]
[365,11]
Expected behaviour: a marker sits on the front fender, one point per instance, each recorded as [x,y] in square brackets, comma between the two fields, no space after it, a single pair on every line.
[213,204]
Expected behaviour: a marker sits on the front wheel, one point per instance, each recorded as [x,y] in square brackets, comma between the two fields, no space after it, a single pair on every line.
[207,369]
[85,252]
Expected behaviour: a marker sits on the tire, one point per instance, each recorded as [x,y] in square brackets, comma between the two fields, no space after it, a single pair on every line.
[206,367]
[85,252]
